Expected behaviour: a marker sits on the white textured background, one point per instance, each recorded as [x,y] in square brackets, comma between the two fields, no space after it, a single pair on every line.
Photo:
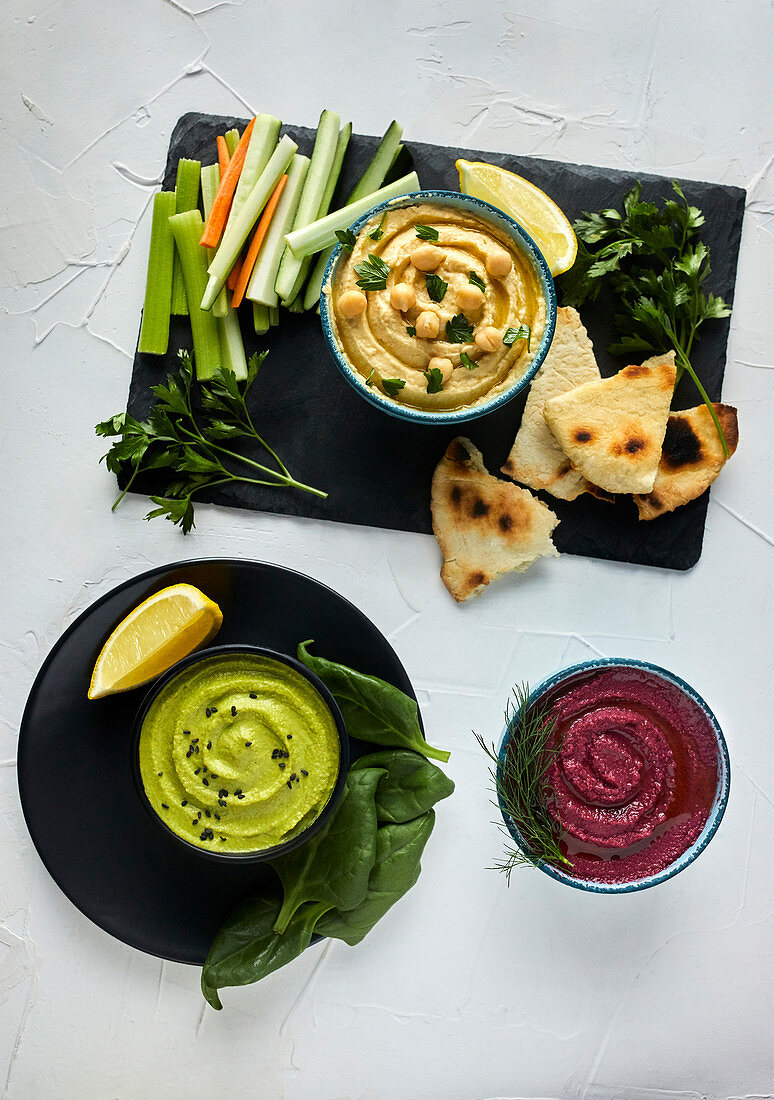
[466,989]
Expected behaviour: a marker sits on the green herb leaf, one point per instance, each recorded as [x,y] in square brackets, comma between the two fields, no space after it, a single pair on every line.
[511,335]
[373,273]
[346,239]
[392,386]
[370,380]
[467,362]
[459,330]
[434,379]
[436,287]
[476,280]
[378,233]
[411,330]
[426,233]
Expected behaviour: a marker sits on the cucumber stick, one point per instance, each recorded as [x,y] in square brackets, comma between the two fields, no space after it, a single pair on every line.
[323,155]
[237,231]
[232,140]
[387,152]
[263,142]
[320,234]
[210,184]
[154,331]
[260,289]
[260,318]
[232,350]
[187,228]
[186,198]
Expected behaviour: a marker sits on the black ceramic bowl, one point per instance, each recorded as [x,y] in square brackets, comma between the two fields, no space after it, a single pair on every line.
[261,854]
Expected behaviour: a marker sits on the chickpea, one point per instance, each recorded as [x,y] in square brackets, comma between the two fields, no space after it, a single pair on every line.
[499,263]
[427,324]
[402,297]
[488,339]
[445,366]
[469,298]
[426,257]
[352,303]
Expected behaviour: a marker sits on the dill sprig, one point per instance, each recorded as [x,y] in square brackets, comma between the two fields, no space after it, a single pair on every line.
[522,785]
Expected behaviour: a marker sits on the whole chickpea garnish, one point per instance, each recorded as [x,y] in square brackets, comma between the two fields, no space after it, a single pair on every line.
[469,298]
[352,303]
[427,324]
[426,257]
[445,366]
[488,339]
[499,263]
[402,297]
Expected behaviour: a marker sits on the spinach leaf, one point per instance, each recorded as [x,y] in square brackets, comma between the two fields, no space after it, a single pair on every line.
[410,786]
[333,865]
[373,710]
[247,948]
[398,852]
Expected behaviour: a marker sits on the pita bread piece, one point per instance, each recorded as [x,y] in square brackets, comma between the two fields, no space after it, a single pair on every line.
[484,526]
[536,459]
[691,458]
[612,430]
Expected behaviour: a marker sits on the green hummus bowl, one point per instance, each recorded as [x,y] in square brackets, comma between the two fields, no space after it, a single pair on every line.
[240,752]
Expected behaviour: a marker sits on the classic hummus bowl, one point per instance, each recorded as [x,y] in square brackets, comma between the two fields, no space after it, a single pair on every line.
[442,310]
[642,779]
[240,752]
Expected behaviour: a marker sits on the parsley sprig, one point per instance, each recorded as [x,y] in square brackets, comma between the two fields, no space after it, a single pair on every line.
[346,239]
[184,444]
[511,335]
[426,232]
[436,287]
[459,330]
[373,273]
[655,263]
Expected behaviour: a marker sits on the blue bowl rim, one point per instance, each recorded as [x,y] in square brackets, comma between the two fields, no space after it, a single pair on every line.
[714,817]
[453,416]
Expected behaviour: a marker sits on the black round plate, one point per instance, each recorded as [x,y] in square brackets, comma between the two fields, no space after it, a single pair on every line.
[75,781]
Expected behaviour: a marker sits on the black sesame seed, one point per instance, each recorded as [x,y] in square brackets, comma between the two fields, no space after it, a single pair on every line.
[253,695]
[164,806]
[186,733]
[196,748]
[209,744]
[290,737]
[290,785]
[207,813]
[214,710]
[304,772]
[222,838]
[194,740]
[197,771]
[217,817]
[208,712]
[159,773]
[238,791]
[233,712]
[204,768]
[222,793]
[222,802]
[283,764]
[195,821]
[199,815]
[206,782]
[213,775]
[248,744]
[293,775]
[240,796]
[184,802]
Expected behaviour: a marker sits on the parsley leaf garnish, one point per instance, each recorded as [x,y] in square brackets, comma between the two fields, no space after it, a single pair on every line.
[434,380]
[373,273]
[411,330]
[476,280]
[426,232]
[370,380]
[346,239]
[467,362]
[511,335]
[378,233]
[436,287]
[391,386]
[459,330]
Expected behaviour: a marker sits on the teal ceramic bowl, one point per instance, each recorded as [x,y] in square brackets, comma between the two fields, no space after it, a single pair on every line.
[528,249]
[717,809]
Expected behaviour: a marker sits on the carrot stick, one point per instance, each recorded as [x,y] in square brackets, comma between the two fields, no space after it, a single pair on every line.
[255,244]
[223,155]
[222,203]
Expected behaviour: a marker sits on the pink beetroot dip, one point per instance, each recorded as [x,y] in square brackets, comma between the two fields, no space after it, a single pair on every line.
[637,774]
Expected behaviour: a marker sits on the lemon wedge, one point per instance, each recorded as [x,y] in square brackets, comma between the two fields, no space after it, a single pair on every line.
[169,625]
[526,204]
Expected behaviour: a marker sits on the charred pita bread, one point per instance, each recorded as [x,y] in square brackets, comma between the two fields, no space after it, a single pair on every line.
[485,527]
[691,458]
[612,430]
[536,459]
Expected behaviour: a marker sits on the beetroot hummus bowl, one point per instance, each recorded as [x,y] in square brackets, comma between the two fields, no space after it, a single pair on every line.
[635,776]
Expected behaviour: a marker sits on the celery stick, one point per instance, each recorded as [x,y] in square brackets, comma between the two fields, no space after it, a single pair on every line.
[236,232]
[232,140]
[260,317]
[384,158]
[187,229]
[232,350]
[273,316]
[323,155]
[210,184]
[313,238]
[345,133]
[154,331]
[296,306]
[263,142]
[261,286]
[186,198]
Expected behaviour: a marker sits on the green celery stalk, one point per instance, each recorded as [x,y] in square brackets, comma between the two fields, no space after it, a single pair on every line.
[296,306]
[187,229]
[274,316]
[210,184]
[323,156]
[261,285]
[263,142]
[322,233]
[237,231]
[232,350]
[384,158]
[232,140]
[186,198]
[154,331]
[261,317]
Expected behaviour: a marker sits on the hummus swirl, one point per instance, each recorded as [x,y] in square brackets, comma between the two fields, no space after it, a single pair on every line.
[238,753]
[636,775]
[377,341]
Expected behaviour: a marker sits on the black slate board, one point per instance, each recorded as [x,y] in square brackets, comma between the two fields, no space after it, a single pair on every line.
[376,469]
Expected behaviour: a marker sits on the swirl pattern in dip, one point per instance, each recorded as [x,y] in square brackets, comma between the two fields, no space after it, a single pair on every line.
[636,776]
[238,753]
[379,342]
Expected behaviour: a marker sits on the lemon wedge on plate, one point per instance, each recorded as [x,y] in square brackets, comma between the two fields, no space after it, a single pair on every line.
[161,630]
[526,204]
